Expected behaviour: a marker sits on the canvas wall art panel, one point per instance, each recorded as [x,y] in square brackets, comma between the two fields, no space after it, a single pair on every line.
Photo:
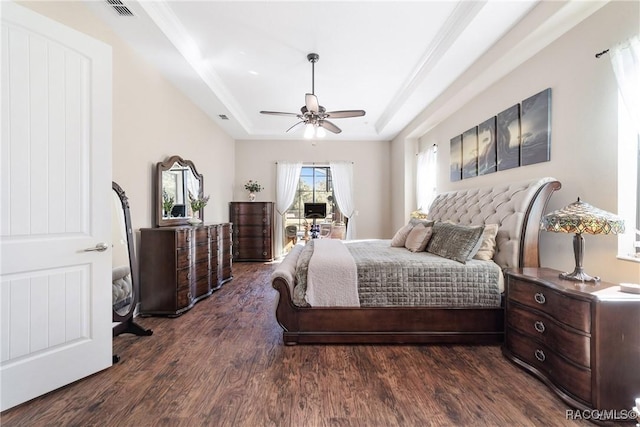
[487,146]
[470,153]
[508,138]
[535,121]
[455,161]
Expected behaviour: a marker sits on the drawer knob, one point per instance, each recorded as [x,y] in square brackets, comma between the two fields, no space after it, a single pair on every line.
[540,355]
[539,326]
[539,297]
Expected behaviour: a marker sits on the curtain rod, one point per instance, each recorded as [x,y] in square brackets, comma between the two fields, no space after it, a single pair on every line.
[598,55]
[433,147]
[318,163]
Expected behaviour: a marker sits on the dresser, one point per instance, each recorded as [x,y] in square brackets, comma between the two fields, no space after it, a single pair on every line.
[582,340]
[252,230]
[181,265]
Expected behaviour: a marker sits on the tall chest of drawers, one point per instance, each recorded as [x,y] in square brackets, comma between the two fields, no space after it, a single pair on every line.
[582,340]
[252,230]
[180,266]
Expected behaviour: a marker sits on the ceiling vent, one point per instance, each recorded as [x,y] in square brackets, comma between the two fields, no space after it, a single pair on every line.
[119,7]
[223,116]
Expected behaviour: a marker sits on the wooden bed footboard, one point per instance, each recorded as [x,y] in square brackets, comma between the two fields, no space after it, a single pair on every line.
[409,325]
[386,325]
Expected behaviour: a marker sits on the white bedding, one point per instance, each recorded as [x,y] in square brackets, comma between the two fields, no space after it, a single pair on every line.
[334,268]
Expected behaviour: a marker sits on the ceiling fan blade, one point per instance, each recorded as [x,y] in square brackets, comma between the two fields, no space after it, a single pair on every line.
[311,102]
[295,126]
[329,126]
[278,113]
[345,114]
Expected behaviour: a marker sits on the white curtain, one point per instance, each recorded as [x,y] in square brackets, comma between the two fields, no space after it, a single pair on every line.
[342,177]
[287,176]
[426,185]
[625,59]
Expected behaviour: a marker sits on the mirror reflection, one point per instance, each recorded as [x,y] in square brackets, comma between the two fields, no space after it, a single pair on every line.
[177,184]
[176,180]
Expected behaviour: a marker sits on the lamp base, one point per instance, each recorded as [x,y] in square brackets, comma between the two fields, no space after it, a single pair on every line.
[578,275]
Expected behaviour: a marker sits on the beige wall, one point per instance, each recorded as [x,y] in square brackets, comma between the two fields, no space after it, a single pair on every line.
[152,120]
[583,138]
[256,160]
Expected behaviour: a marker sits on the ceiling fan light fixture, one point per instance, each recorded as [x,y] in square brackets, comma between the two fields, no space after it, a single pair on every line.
[320,132]
[309,131]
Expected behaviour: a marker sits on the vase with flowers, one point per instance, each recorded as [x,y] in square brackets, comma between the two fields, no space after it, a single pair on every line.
[167,204]
[252,187]
[197,204]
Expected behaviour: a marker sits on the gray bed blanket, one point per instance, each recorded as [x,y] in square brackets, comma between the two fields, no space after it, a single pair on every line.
[396,277]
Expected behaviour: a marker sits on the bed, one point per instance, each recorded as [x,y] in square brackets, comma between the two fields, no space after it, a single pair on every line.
[516,208]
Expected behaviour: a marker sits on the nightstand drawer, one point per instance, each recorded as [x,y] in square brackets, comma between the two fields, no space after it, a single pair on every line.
[549,332]
[570,311]
[572,379]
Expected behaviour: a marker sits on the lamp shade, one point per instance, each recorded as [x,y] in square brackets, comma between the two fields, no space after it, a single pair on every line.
[580,217]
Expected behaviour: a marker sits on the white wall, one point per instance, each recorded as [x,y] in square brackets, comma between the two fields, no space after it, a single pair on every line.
[583,137]
[256,160]
[152,120]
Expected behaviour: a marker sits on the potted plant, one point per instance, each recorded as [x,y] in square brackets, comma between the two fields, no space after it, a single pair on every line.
[252,187]
[167,203]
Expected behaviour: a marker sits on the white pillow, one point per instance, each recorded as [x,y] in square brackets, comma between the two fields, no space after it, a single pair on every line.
[488,243]
[418,238]
[401,236]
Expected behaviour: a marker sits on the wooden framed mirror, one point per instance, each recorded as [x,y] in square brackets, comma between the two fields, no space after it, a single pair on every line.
[124,268]
[176,179]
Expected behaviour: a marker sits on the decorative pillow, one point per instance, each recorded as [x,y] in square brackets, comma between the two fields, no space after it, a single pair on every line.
[487,243]
[418,238]
[401,236]
[454,241]
[426,222]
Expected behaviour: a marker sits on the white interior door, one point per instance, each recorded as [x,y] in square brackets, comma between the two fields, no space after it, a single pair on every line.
[55,194]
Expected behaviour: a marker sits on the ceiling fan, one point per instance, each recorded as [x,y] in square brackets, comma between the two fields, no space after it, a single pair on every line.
[313,115]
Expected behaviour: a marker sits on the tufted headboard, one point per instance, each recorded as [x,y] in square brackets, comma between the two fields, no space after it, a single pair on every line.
[517,209]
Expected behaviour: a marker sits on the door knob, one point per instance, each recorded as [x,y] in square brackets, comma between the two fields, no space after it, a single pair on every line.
[100,247]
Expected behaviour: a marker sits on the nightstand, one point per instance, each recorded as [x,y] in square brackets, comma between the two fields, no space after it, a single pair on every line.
[582,340]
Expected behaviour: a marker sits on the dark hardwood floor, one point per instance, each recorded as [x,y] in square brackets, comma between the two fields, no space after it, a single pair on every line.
[223,364]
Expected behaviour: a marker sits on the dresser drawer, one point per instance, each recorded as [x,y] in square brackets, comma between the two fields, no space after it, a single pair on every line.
[202,286]
[201,234]
[183,258]
[248,243]
[573,380]
[549,332]
[183,238]
[248,220]
[252,253]
[184,299]
[183,279]
[201,253]
[252,231]
[570,311]
[250,208]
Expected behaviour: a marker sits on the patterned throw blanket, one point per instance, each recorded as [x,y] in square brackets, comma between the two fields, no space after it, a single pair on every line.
[396,277]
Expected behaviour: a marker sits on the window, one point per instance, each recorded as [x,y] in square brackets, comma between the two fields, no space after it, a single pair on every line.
[315,186]
[625,60]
